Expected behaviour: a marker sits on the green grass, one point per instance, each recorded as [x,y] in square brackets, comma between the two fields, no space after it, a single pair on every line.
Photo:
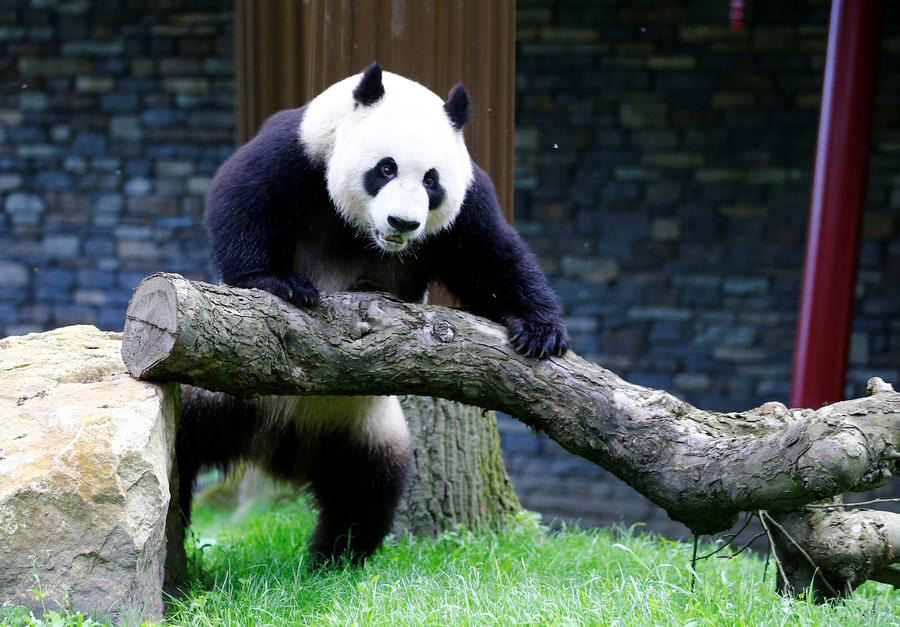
[255,573]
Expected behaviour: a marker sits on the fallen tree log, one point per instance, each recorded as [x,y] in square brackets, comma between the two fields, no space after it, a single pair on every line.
[703,468]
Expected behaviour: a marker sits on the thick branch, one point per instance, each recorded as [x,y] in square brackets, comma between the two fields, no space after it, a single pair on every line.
[701,467]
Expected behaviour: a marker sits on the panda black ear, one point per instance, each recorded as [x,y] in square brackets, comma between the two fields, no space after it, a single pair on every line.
[457,106]
[369,90]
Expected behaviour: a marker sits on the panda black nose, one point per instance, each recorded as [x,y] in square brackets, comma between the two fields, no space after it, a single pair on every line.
[402,226]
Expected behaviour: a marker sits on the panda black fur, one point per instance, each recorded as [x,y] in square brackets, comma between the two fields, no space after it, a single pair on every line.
[367,187]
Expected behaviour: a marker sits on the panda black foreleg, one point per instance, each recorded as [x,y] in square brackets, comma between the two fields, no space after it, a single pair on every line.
[357,486]
[485,263]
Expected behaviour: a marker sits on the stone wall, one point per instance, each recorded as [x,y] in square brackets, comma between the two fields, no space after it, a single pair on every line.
[663,170]
[113,117]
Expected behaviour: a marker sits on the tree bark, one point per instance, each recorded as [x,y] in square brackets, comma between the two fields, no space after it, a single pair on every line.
[702,467]
[458,475]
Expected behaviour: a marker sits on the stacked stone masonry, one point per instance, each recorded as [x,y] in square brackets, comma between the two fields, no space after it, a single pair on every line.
[662,176]
[113,118]
[663,170]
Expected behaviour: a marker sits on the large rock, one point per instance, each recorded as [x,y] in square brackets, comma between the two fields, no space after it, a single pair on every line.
[85,464]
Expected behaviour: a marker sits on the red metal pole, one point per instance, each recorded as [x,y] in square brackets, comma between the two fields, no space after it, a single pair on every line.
[838,192]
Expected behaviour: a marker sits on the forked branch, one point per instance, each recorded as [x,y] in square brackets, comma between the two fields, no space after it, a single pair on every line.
[702,467]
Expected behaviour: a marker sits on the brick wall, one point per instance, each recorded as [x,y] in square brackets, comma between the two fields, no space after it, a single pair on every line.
[113,116]
[662,175]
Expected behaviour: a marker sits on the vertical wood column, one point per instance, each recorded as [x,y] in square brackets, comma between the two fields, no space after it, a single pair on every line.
[288,51]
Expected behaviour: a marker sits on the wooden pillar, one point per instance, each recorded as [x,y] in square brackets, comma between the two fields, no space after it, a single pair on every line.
[289,51]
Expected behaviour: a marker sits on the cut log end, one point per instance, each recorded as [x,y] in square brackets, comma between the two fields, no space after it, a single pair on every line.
[150,326]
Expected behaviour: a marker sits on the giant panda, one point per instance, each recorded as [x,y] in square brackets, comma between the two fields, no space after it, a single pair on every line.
[369,186]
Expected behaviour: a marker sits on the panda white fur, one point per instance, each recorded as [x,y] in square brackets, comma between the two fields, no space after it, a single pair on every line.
[367,187]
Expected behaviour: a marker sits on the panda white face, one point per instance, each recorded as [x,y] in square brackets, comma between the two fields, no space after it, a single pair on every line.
[397,168]
[398,175]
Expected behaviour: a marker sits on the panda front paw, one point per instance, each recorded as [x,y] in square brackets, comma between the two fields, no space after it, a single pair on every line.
[537,339]
[293,288]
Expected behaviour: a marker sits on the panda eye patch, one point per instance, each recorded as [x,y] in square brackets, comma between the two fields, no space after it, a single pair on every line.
[379,175]
[431,178]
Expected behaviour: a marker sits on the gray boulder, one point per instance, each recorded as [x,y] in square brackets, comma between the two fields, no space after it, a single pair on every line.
[85,466]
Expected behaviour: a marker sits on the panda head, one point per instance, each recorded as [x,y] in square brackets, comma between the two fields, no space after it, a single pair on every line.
[395,159]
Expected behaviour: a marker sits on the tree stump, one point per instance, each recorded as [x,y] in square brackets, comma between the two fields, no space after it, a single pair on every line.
[458,475]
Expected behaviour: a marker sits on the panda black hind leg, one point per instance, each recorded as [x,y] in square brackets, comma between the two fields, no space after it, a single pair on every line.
[353,452]
[358,479]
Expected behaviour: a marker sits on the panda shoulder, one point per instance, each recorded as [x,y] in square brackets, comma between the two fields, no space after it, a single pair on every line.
[481,200]
[276,147]
[280,132]
[273,157]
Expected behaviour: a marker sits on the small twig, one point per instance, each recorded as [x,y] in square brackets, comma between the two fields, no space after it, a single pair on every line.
[694,563]
[816,569]
[729,538]
[773,552]
[743,548]
[858,504]
[766,567]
